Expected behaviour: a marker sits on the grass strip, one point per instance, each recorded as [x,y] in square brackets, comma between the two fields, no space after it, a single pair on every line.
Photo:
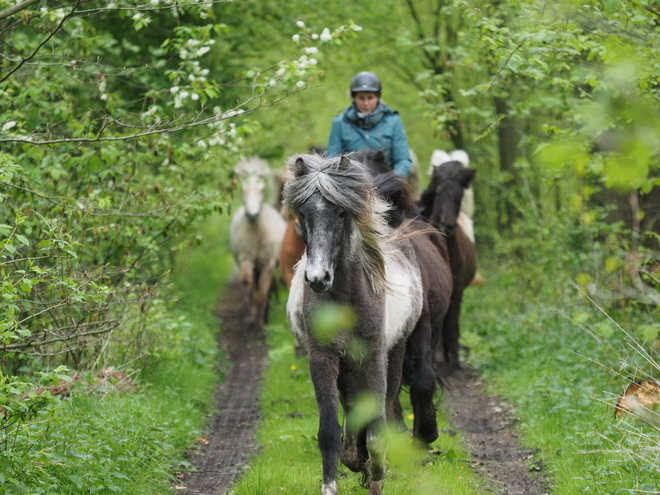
[289,461]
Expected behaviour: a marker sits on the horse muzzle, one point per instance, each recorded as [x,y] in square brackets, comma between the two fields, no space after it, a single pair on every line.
[319,280]
[252,217]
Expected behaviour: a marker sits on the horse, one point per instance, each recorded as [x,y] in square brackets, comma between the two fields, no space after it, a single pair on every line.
[352,258]
[466,212]
[440,203]
[255,234]
[433,260]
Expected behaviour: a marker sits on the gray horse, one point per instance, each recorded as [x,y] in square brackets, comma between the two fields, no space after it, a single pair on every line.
[353,259]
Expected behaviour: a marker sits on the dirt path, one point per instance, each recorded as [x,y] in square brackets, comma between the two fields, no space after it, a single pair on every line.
[488,429]
[229,441]
[485,422]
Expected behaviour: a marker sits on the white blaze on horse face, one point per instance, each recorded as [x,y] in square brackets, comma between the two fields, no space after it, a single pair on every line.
[323,234]
[253,196]
[403,300]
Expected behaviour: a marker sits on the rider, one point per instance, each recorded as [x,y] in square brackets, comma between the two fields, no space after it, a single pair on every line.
[368,124]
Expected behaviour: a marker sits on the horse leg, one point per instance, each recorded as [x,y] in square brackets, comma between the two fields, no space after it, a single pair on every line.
[263,292]
[247,282]
[422,381]
[451,333]
[324,369]
[353,453]
[393,410]
[376,375]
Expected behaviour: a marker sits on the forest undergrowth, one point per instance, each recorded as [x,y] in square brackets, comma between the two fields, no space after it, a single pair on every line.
[544,340]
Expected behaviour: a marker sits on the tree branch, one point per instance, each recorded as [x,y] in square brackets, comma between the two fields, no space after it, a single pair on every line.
[16,8]
[36,50]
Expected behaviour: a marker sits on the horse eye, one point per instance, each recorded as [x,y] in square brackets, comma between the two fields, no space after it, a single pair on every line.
[342,214]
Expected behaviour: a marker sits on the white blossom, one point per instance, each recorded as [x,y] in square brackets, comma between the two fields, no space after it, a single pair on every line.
[315,36]
[300,84]
[202,51]
[183,95]
[174,89]
[355,27]
[9,125]
[311,49]
[325,35]
[202,144]
[194,96]
[295,38]
[300,24]
[104,96]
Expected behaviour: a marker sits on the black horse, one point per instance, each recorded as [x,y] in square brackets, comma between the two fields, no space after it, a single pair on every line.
[433,260]
[440,203]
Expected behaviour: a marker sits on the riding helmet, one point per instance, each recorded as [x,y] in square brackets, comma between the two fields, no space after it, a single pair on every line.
[365,81]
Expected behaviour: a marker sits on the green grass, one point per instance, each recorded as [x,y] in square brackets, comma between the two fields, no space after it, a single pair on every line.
[558,359]
[289,461]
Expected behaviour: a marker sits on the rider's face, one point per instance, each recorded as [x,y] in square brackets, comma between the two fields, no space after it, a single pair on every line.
[366,101]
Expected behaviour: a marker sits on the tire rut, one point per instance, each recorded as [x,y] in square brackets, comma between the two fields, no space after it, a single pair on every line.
[229,441]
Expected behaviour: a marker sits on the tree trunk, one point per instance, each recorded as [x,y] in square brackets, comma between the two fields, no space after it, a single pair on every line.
[507,147]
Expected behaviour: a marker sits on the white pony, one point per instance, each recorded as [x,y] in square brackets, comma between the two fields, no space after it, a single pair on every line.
[255,236]
[467,204]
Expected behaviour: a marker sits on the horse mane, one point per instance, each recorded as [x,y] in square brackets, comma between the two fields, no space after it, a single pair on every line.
[252,166]
[347,184]
[395,189]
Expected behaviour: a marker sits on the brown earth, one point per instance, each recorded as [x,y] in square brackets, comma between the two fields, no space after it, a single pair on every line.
[487,426]
[485,422]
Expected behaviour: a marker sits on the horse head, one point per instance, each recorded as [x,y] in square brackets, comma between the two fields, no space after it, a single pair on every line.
[323,224]
[253,196]
[252,173]
[441,201]
[335,204]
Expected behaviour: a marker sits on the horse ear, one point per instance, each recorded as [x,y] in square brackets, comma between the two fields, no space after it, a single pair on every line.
[344,162]
[299,168]
[466,176]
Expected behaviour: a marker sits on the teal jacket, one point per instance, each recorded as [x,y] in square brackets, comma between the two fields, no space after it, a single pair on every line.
[382,130]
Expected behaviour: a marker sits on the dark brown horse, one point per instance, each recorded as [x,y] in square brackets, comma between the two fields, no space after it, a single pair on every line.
[352,259]
[440,203]
[433,260]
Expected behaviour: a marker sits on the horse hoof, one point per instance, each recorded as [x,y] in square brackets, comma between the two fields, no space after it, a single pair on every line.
[349,455]
[376,487]
[329,488]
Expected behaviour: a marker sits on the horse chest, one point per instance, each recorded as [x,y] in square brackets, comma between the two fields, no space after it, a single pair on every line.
[403,300]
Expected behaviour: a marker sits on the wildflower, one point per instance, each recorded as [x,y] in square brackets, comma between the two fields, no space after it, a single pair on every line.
[300,24]
[325,35]
[202,51]
[294,367]
[194,96]
[174,89]
[202,144]
[311,49]
[295,38]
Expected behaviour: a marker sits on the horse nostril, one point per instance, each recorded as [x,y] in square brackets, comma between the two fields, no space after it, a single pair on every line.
[252,217]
